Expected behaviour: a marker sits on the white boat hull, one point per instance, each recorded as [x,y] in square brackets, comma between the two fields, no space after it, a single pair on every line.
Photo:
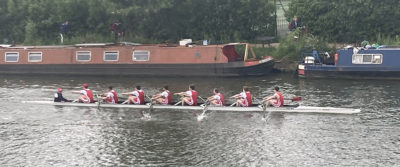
[298,109]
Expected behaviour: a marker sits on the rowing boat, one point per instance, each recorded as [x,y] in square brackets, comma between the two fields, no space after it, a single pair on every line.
[255,108]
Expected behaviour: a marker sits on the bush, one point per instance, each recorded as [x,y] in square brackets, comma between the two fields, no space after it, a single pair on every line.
[347,21]
[387,40]
[291,47]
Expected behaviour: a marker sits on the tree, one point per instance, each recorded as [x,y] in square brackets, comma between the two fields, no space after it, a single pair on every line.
[347,21]
[39,21]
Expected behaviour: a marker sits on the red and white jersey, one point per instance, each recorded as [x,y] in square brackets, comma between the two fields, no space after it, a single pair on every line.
[193,97]
[140,96]
[220,99]
[115,96]
[167,97]
[279,102]
[110,98]
[88,96]
[247,98]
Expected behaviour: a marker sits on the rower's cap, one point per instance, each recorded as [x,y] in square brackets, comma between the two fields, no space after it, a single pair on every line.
[85,85]
[59,90]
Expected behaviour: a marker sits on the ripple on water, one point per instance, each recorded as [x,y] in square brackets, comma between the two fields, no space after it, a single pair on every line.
[71,136]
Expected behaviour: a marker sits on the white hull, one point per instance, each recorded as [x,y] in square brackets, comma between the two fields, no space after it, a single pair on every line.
[299,109]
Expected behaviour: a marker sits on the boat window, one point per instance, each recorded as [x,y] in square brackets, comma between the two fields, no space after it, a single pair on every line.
[12,57]
[357,59]
[367,58]
[377,59]
[83,56]
[141,55]
[35,57]
[111,56]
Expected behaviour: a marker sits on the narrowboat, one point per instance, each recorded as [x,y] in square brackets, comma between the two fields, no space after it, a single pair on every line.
[352,62]
[134,60]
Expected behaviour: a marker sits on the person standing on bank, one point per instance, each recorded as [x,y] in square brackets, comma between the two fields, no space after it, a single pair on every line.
[64,31]
[294,24]
[116,30]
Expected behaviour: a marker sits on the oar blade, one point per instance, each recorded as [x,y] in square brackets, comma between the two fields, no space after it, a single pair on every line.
[298,98]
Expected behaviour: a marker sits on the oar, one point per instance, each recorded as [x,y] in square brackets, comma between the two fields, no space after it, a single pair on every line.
[233,104]
[205,107]
[264,107]
[21,99]
[205,101]
[126,101]
[149,98]
[180,101]
[148,115]
[296,98]
[177,103]
[98,101]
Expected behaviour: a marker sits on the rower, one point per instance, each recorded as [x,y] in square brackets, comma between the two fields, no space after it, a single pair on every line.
[164,97]
[58,97]
[275,100]
[189,97]
[136,97]
[244,98]
[111,96]
[86,94]
[217,99]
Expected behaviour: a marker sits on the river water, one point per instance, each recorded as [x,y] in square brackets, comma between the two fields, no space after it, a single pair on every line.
[39,135]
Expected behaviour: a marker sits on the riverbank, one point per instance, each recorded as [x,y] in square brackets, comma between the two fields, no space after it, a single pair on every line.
[285,64]
[281,64]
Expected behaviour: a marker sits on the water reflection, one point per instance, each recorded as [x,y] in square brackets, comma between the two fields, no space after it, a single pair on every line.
[276,119]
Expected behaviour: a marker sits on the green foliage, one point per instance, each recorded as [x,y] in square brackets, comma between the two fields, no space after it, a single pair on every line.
[388,40]
[348,21]
[31,31]
[39,21]
[298,41]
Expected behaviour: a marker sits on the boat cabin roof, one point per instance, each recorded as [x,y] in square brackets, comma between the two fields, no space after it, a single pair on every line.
[382,56]
[6,46]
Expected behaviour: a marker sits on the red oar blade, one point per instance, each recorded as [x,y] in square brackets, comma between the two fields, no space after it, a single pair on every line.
[298,98]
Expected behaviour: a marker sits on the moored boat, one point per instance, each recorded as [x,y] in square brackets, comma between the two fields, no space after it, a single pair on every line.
[350,62]
[254,108]
[134,59]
